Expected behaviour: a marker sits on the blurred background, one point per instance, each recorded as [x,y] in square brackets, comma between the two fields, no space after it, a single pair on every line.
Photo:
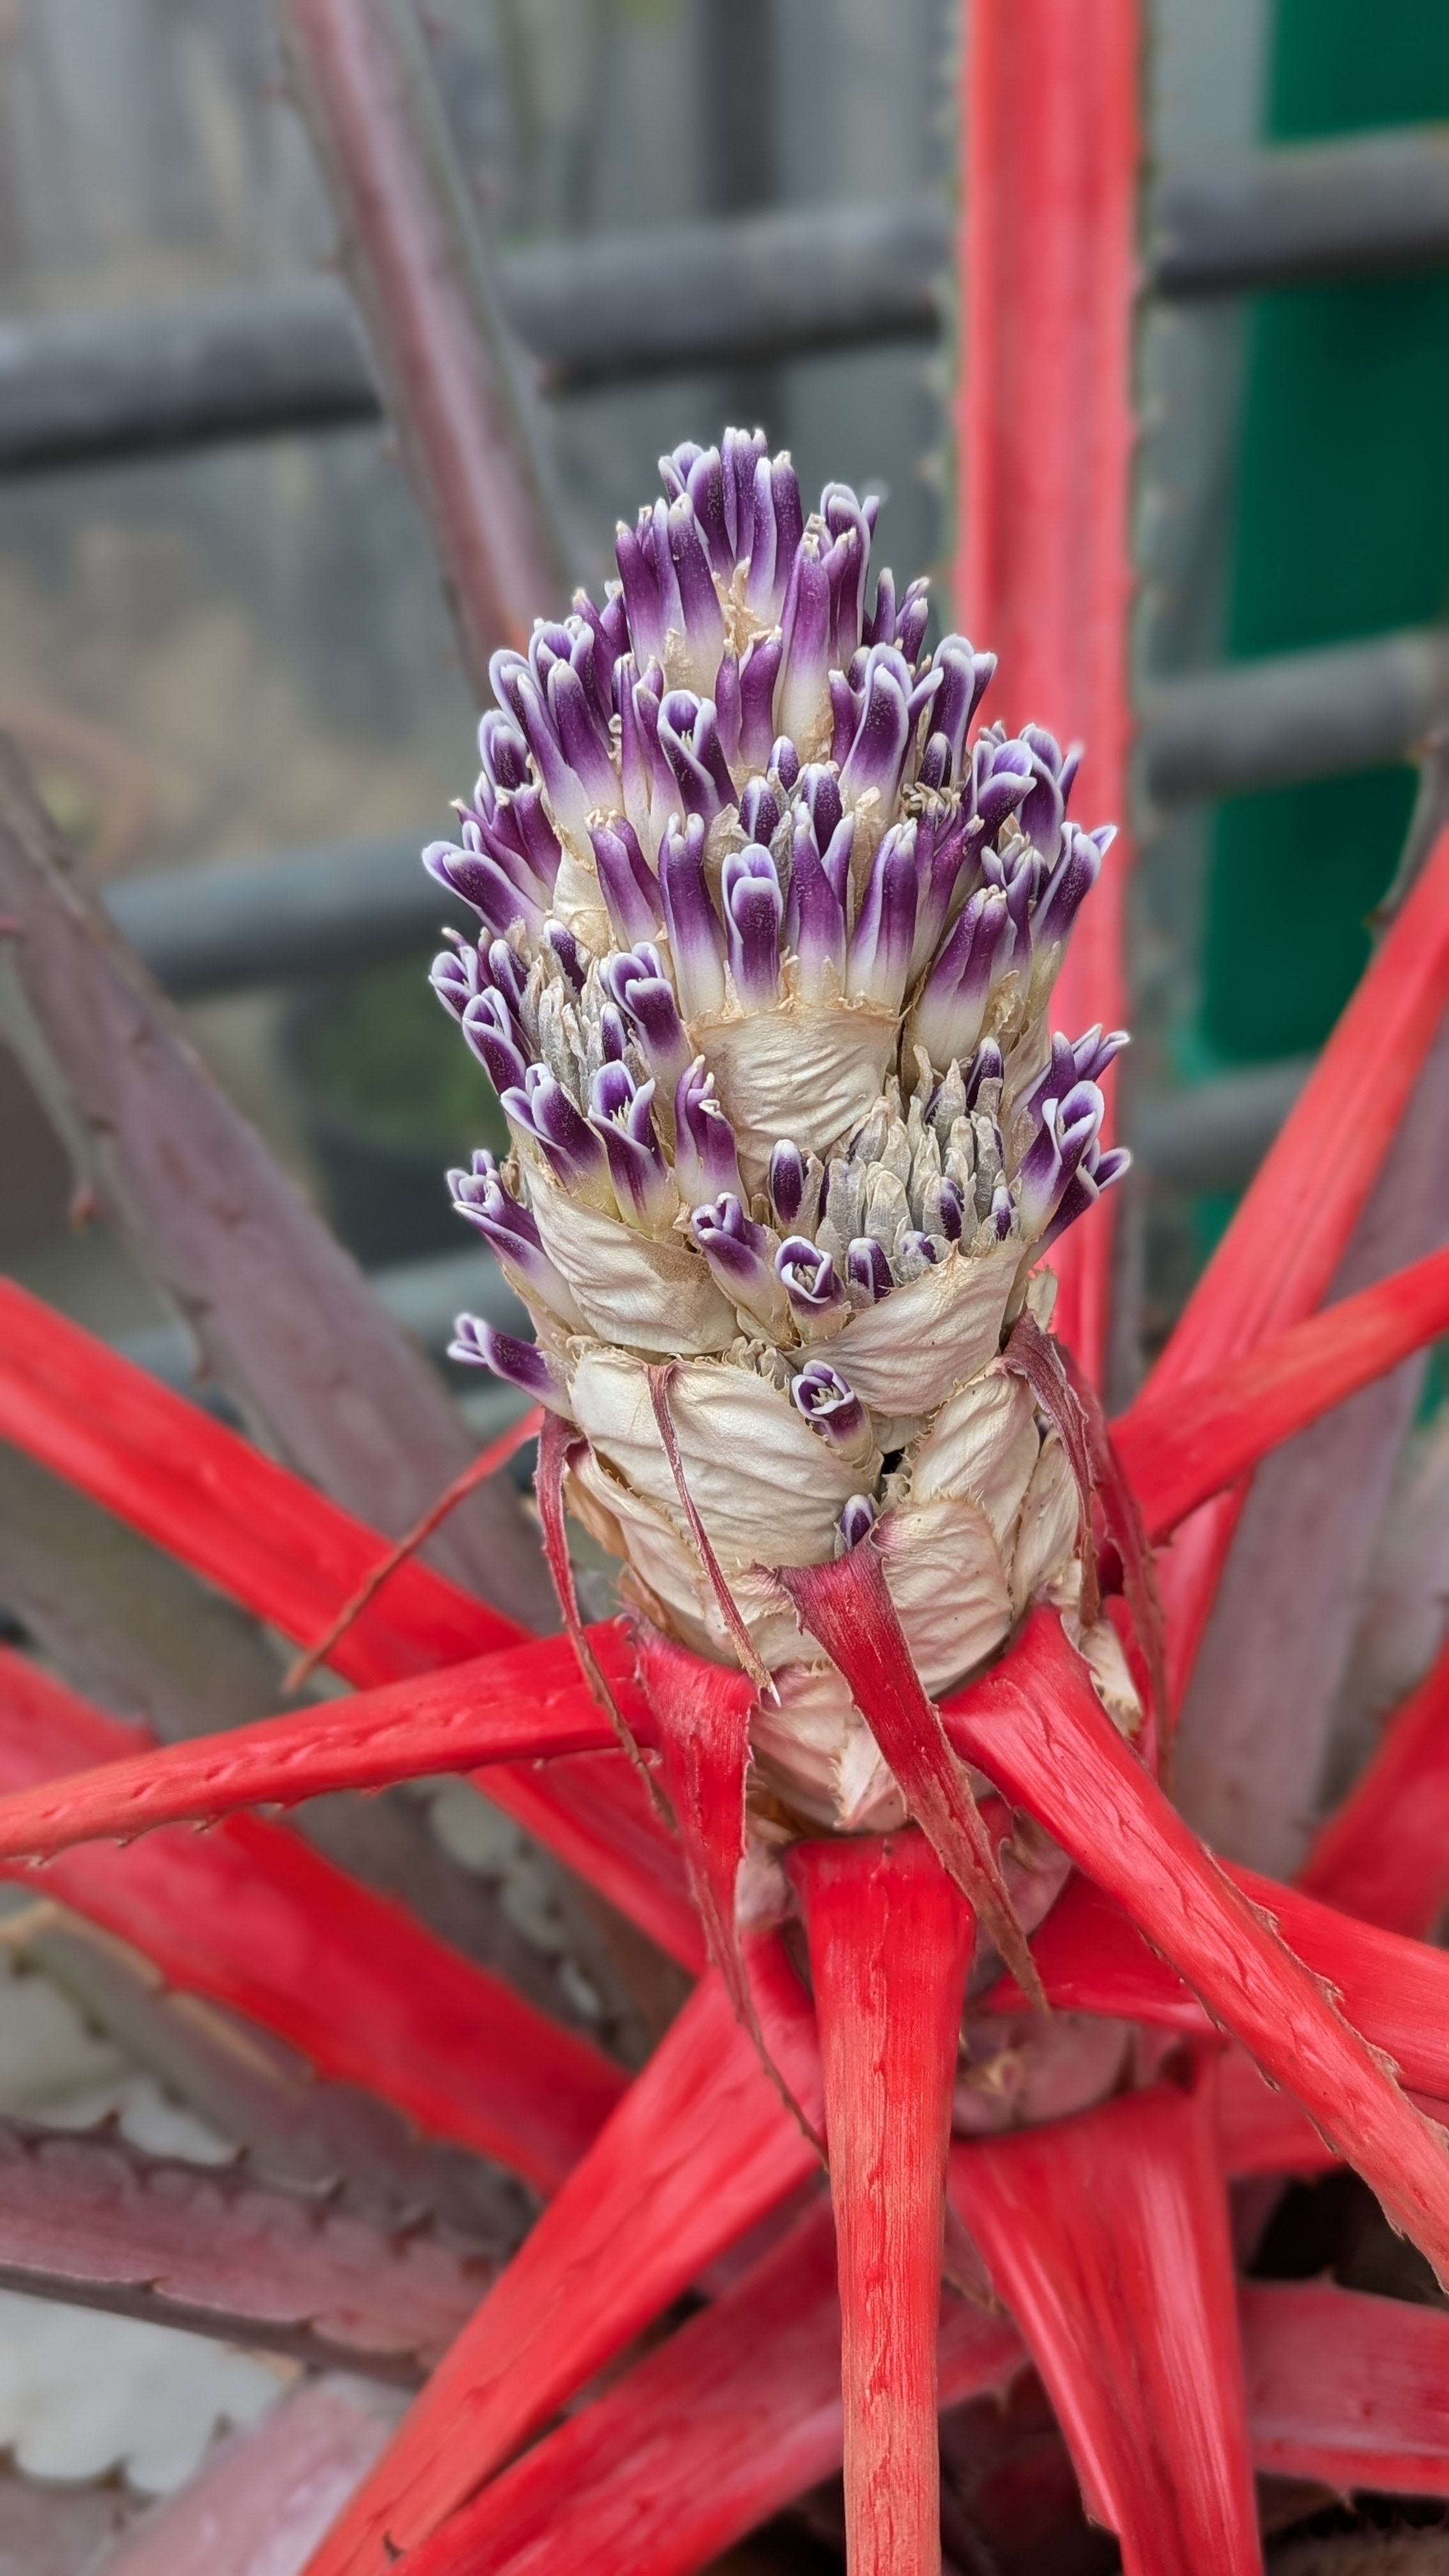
[225,653]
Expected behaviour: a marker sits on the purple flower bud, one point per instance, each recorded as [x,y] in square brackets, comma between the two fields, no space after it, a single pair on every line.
[787,1181]
[650,586]
[987,1065]
[571,957]
[822,1396]
[543,1109]
[880,626]
[818,790]
[1071,881]
[538,720]
[494,1038]
[675,468]
[965,674]
[942,1209]
[738,1255]
[850,527]
[695,943]
[935,768]
[784,763]
[481,1345]
[638,986]
[1001,780]
[880,944]
[759,673]
[877,756]
[943,842]
[814,919]
[952,1003]
[1040,814]
[703,623]
[1094,1052]
[701,483]
[509,1230]
[760,812]
[777,523]
[855,1523]
[1068,1128]
[743,451]
[801,695]
[915,611]
[507,972]
[498,896]
[622,1116]
[582,735]
[456,978]
[811,1280]
[502,750]
[647,783]
[728,711]
[689,740]
[915,1249]
[754,908]
[521,825]
[845,704]
[626,880]
[1056,1078]
[867,1271]
[705,1161]
[609,627]
[474,1188]
[613,1036]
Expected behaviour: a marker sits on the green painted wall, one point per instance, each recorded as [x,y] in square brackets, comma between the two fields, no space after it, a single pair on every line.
[1342,530]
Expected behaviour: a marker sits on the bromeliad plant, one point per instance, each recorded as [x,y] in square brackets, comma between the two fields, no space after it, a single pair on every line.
[878,1747]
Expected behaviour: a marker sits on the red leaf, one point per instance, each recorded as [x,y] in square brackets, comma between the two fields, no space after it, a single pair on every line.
[699,2148]
[1045,435]
[209,1497]
[253,1917]
[1107,2237]
[889,1939]
[734,2416]
[1279,1255]
[1182,1447]
[296,1560]
[740,2411]
[1037,1729]
[1347,2389]
[520,1705]
[1092,1958]
[1385,1854]
[847,1607]
[1283,1246]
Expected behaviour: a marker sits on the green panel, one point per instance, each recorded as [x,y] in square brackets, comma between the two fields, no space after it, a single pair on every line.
[1294,876]
[1343,530]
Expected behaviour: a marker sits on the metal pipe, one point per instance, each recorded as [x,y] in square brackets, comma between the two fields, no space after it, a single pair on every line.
[271,359]
[1214,1136]
[1292,716]
[302,915]
[1302,213]
[734,291]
